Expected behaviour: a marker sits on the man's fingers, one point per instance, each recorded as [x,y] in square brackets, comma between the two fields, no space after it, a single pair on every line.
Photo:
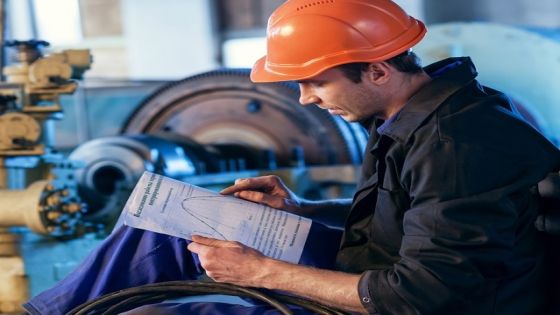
[230,190]
[262,198]
[241,184]
[203,240]
[262,183]
[198,248]
[201,245]
[211,242]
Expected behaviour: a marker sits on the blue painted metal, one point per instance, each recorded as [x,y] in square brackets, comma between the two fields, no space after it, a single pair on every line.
[524,64]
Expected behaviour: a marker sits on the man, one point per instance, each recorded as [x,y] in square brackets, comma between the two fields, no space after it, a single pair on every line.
[442,219]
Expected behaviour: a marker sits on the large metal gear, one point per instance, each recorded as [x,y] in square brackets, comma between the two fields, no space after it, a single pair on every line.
[225,107]
[214,123]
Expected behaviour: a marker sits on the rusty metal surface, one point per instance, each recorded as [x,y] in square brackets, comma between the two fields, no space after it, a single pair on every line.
[224,107]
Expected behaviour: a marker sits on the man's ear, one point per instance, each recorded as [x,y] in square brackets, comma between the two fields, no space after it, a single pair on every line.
[378,73]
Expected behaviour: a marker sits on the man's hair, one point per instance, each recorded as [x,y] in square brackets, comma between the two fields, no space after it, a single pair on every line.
[407,62]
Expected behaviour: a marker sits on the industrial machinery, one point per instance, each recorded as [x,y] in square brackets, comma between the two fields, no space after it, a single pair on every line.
[36,186]
[215,127]
[208,130]
[212,128]
[29,102]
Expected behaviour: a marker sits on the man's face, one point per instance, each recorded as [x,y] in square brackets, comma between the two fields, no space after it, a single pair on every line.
[333,91]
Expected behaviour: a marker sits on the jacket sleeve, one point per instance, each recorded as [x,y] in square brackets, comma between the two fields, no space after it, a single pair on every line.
[468,206]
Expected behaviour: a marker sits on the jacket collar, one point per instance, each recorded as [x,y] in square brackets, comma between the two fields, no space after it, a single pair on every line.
[445,82]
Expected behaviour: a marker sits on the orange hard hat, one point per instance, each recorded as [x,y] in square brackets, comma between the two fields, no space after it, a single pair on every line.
[306,37]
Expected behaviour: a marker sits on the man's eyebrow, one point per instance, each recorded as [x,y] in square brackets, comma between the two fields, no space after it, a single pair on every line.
[306,81]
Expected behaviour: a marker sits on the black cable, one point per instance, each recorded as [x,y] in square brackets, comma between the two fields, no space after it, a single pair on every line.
[307,304]
[133,302]
[127,299]
[174,288]
[165,292]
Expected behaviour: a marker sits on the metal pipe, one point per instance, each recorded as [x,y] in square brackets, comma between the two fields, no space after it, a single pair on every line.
[33,19]
[2,35]
[21,207]
[14,287]
[3,175]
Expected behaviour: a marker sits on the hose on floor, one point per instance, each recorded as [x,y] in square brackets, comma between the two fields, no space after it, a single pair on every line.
[128,299]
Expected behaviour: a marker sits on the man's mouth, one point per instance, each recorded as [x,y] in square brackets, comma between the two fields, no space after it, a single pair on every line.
[334,111]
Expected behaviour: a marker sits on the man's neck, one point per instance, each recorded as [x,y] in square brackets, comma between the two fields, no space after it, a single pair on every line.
[404,90]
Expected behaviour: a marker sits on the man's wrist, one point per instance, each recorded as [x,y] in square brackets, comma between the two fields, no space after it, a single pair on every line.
[271,273]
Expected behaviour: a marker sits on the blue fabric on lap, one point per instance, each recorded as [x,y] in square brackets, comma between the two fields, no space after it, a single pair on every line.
[131,257]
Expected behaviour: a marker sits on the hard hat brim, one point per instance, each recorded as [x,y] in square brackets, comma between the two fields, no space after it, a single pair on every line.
[260,74]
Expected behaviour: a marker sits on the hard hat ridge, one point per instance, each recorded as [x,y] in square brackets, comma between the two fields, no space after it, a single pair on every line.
[306,37]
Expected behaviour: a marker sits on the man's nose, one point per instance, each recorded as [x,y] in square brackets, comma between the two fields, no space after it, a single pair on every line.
[307,95]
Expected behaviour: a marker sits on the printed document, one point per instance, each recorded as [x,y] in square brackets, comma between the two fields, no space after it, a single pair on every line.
[168,206]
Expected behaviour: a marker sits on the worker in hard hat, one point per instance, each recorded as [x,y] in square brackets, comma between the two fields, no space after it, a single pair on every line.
[442,218]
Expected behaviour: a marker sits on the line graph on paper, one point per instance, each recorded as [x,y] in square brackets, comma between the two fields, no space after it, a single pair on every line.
[224,221]
[164,205]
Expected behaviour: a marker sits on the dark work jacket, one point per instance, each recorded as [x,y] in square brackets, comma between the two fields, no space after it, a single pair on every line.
[442,221]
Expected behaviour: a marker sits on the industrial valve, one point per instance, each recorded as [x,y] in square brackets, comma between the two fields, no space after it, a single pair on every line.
[45,207]
[32,193]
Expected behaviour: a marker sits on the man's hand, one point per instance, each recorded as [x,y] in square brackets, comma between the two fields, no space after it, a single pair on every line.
[271,191]
[268,190]
[231,262]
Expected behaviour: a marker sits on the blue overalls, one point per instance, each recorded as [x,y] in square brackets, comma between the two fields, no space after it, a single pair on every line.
[131,257]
